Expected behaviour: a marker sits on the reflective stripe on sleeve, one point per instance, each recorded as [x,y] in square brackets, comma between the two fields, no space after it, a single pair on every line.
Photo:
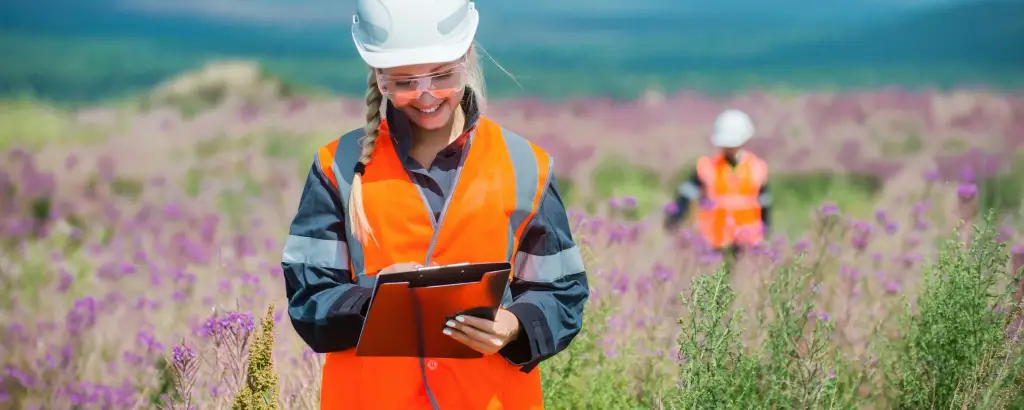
[316,252]
[548,268]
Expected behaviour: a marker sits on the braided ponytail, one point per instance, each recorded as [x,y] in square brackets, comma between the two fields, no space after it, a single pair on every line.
[357,220]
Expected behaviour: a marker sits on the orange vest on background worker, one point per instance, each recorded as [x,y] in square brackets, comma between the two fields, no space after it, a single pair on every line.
[733,213]
[496,193]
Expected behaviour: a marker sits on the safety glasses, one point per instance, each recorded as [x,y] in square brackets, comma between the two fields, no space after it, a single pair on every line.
[402,90]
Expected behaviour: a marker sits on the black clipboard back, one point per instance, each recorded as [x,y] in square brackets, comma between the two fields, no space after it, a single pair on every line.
[408,310]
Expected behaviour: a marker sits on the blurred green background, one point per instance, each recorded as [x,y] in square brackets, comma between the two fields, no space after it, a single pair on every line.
[84,50]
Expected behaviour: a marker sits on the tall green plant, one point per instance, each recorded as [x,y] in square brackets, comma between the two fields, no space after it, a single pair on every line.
[955,351]
[716,372]
[260,389]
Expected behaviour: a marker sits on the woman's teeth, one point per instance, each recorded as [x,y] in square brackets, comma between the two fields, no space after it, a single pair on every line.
[430,110]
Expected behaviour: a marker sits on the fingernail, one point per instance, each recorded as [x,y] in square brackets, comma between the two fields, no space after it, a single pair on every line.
[460,318]
[496,342]
[450,324]
[447,331]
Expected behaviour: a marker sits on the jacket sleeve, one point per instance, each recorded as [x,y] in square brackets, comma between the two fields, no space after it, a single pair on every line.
[686,193]
[326,309]
[764,198]
[549,288]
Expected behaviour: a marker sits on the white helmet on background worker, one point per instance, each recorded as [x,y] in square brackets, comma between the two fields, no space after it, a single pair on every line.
[733,128]
[393,33]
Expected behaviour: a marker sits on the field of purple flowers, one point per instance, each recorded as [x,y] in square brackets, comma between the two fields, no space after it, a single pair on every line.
[139,251]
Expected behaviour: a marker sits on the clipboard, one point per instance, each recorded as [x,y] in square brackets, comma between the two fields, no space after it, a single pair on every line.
[408,310]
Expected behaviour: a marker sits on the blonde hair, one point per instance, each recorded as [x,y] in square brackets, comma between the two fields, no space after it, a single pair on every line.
[358,222]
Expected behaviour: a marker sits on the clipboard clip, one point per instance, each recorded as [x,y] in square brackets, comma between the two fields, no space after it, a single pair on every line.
[441,266]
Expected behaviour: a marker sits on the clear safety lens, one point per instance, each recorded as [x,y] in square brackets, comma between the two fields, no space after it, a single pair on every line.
[402,90]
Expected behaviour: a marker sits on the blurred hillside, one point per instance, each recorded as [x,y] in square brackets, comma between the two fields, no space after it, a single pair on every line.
[99,49]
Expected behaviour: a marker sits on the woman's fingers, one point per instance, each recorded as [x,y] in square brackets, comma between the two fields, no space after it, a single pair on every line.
[484,325]
[473,343]
[482,336]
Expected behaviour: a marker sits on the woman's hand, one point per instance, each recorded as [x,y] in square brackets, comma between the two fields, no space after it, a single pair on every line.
[400,267]
[483,335]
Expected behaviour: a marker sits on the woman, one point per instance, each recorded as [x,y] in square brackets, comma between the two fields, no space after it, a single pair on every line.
[432,182]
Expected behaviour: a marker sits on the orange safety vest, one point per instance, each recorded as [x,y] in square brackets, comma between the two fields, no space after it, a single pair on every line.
[733,214]
[496,193]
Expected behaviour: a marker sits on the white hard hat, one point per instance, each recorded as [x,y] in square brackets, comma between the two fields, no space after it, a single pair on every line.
[733,128]
[393,33]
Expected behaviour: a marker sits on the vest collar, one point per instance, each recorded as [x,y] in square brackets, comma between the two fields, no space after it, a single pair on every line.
[738,159]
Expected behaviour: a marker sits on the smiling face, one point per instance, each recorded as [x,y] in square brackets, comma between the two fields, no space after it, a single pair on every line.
[428,94]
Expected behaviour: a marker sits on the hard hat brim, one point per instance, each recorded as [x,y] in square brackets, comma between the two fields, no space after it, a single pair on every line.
[729,141]
[420,55]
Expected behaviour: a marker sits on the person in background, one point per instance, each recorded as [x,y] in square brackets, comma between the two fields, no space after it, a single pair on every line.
[731,187]
[431,181]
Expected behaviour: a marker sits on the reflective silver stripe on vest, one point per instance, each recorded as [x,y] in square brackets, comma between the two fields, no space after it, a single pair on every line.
[322,253]
[527,174]
[548,268]
[689,190]
[345,158]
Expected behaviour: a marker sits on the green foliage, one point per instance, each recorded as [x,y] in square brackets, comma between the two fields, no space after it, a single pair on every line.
[716,370]
[260,389]
[1004,192]
[25,122]
[165,383]
[797,195]
[127,187]
[584,376]
[292,146]
[796,367]
[202,99]
[801,361]
[615,177]
[899,146]
[29,123]
[955,351]
[567,188]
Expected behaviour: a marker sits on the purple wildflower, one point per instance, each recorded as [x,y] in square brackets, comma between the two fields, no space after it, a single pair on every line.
[615,203]
[861,235]
[967,191]
[662,273]
[829,209]
[621,284]
[802,245]
[967,176]
[670,208]
[891,286]
[186,367]
[82,316]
